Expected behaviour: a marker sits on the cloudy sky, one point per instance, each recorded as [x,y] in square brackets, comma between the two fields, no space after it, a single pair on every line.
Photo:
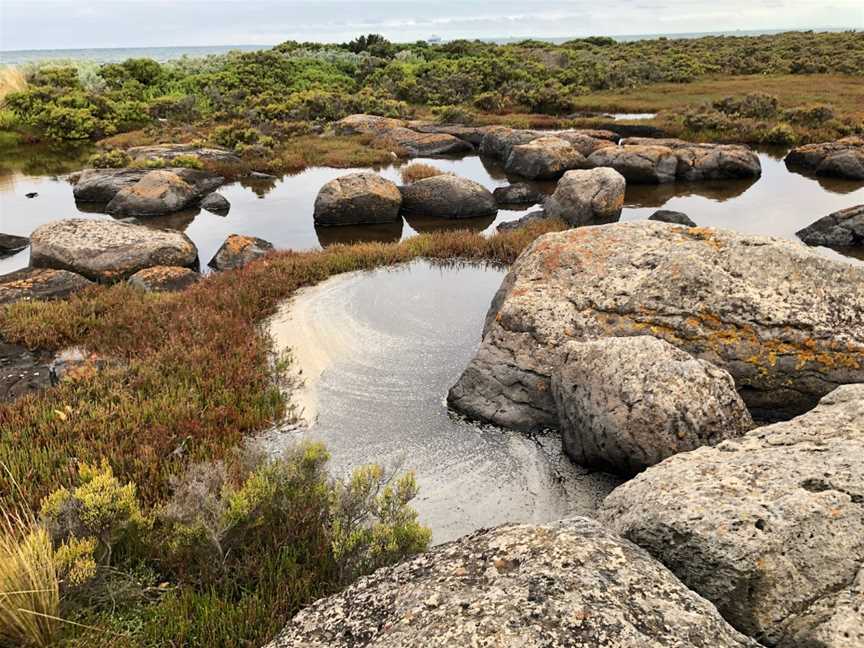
[54,24]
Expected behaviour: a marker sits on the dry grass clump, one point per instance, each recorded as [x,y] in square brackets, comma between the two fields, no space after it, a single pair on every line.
[11,80]
[29,585]
[418,171]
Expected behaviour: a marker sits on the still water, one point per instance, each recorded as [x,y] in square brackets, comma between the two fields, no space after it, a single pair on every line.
[280,210]
[378,352]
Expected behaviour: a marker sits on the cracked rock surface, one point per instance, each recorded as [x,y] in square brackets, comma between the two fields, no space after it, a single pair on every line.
[769,526]
[566,584]
[784,321]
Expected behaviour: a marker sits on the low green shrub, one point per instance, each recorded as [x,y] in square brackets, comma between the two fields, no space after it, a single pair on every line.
[111,159]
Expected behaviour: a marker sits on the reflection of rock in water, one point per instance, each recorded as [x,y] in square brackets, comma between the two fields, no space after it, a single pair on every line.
[833,185]
[259,186]
[382,349]
[372,233]
[431,224]
[493,167]
[178,221]
[659,195]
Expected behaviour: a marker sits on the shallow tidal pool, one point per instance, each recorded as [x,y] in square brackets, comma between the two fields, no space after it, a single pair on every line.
[378,352]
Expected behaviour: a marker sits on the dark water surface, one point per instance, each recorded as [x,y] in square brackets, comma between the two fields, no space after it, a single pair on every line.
[378,352]
[280,210]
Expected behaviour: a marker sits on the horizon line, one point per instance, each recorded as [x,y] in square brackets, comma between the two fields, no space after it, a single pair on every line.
[488,39]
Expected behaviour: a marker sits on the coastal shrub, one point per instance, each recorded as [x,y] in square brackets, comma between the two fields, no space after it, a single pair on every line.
[781,133]
[98,508]
[111,159]
[755,104]
[454,115]
[188,162]
[815,116]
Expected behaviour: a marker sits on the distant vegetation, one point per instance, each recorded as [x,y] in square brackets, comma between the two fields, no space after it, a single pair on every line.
[258,99]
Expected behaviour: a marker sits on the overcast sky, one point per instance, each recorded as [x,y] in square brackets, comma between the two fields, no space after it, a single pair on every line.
[55,24]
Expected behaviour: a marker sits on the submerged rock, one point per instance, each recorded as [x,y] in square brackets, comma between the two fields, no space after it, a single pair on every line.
[170,152]
[844,228]
[107,251]
[216,203]
[518,194]
[11,244]
[421,144]
[357,199]
[164,279]
[638,164]
[448,196]
[239,250]
[40,283]
[673,217]
[627,403]
[843,158]
[568,583]
[787,338]
[768,527]
[587,197]
[545,158]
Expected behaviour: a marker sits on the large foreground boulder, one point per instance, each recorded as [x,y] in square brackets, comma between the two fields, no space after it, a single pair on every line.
[769,527]
[843,158]
[357,199]
[102,185]
[545,158]
[706,161]
[782,319]
[844,228]
[587,197]
[40,283]
[421,144]
[568,583]
[107,251]
[628,403]
[238,250]
[638,164]
[448,196]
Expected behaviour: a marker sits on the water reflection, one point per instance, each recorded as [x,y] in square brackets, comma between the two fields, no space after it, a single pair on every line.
[658,195]
[280,209]
[377,233]
[420,223]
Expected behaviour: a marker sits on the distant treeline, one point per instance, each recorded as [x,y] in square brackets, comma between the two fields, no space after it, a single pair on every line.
[312,82]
